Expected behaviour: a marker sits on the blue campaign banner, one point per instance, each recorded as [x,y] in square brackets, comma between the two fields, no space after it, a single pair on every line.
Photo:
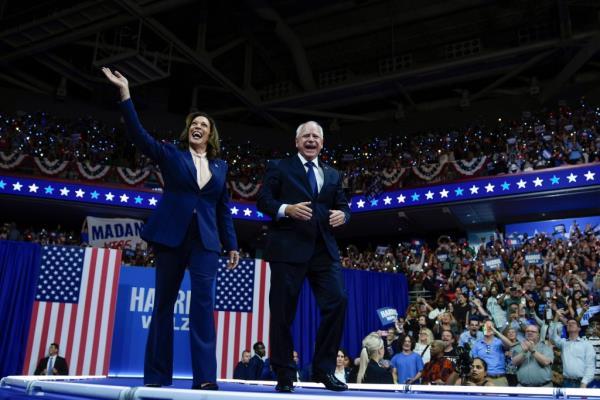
[556,228]
[387,315]
[132,318]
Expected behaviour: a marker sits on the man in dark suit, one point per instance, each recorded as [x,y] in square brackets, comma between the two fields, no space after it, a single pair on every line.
[242,369]
[305,201]
[53,364]
[256,363]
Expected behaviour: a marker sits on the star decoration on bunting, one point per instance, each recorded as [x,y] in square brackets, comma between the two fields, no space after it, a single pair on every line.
[387,200]
[572,178]
[152,201]
[415,197]
[79,193]
[537,182]
[554,180]
[2,184]
[429,195]
[360,203]
[64,191]
[17,186]
[95,195]
[521,184]
[49,189]
[138,199]
[589,176]
[489,188]
[444,194]
[109,196]
[124,198]
[234,210]
[33,188]
[474,189]
[505,185]
[247,212]
[458,191]
[401,198]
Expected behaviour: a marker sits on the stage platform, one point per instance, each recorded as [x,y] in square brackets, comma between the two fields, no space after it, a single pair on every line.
[118,388]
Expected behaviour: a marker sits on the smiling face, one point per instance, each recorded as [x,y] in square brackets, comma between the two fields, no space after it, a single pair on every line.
[309,140]
[199,133]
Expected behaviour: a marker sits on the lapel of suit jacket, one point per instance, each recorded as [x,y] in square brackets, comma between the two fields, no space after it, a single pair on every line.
[299,172]
[191,168]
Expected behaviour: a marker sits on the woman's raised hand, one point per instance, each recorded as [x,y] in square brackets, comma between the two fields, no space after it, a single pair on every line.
[119,81]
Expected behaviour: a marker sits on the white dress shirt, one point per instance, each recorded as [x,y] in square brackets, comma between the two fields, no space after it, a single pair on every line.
[578,356]
[203,174]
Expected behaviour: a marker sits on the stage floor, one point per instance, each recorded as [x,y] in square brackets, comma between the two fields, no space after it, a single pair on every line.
[119,388]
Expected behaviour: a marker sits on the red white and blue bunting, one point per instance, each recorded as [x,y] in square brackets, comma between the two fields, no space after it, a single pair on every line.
[133,176]
[469,168]
[48,167]
[92,172]
[428,172]
[390,177]
[245,190]
[11,160]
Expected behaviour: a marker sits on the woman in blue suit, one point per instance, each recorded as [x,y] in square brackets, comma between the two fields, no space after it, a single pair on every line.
[191,222]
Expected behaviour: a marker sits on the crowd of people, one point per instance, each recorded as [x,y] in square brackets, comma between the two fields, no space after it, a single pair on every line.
[567,135]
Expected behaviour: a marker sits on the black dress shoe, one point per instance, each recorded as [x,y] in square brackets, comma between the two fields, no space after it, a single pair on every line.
[331,382]
[284,387]
[206,386]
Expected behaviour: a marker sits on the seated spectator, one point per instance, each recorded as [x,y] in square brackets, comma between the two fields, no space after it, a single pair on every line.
[242,369]
[478,375]
[342,369]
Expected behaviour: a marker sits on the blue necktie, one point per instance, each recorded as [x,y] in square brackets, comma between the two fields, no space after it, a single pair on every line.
[312,178]
[50,366]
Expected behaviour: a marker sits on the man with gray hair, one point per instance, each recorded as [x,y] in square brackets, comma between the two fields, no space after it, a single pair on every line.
[304,198]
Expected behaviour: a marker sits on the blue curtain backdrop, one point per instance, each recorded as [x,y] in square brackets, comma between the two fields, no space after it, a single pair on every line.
[19,270]
[367,291]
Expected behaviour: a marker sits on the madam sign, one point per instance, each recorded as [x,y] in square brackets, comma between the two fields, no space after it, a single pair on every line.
[115,232]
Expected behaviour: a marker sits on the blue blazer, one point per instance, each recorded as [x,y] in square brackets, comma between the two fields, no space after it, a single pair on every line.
[290,240]
[169,223]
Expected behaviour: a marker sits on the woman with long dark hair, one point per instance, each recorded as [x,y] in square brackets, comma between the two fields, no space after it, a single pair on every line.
[187,229]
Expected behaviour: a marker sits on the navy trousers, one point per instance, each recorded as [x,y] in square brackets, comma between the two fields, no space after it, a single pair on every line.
[171,264]
[325,278]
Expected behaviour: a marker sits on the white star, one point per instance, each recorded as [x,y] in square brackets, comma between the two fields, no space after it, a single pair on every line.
[572,178]
[521,184]
[109,196]
[401,198]
[360,203]
[247,212]
[537,181]
[234,210]
[33,188]
[64,191]
[474,189]
[589,176]
[79,193]
[17,186]
[489,187]
[444,193]
[429,195]
[124,198]
[387,200]
[152,201]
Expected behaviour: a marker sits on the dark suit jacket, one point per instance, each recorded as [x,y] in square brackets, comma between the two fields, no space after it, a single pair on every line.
[242,371]
[286,182]
[169,223]
[60,364]
[255,367]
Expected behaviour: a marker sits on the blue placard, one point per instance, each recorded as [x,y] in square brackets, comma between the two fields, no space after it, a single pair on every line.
[132,318]
[533,258]
[492,264]
[387,315]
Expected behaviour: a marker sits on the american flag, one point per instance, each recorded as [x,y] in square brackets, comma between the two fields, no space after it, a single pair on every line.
[74,306]
[241,311]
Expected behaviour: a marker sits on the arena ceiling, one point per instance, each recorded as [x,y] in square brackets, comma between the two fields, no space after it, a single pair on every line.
[271,62]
